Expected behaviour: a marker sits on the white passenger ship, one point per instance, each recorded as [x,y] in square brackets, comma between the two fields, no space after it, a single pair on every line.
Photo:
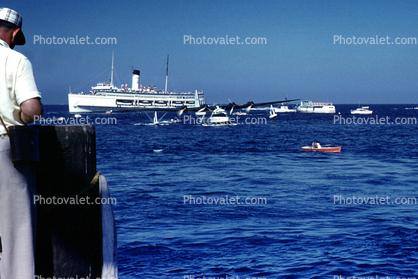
[107,97]
[311,107]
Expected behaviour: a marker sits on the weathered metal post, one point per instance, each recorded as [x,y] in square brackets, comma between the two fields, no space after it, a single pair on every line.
[69,239]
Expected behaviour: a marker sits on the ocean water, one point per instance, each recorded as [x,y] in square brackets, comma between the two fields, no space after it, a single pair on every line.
[245,201]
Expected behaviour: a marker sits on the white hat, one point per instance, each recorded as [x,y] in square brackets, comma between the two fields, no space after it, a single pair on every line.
[13,17]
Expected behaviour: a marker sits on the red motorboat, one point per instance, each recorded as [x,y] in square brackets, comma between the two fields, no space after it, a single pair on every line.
[317,147]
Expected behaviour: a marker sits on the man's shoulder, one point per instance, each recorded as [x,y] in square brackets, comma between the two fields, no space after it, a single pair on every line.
[16,60]
[15,55]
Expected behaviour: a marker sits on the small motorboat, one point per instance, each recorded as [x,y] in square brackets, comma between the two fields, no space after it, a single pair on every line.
[317,147]
[219,117]
[362,110]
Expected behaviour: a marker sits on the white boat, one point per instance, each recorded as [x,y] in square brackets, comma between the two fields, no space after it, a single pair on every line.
[283,109]
[273,113]
[219,117]
[317,147]
[362,110]
[107,97]
[311,107]
[155,120]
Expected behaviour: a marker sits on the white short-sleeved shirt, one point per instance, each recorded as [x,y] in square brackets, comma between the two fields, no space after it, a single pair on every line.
[17,84]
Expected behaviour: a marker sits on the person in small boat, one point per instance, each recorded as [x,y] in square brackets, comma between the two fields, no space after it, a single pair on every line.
[316,145]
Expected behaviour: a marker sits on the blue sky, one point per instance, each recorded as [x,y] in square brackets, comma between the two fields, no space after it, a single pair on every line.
[298,60]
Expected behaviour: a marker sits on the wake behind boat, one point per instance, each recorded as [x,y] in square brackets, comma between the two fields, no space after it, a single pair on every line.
[107,97]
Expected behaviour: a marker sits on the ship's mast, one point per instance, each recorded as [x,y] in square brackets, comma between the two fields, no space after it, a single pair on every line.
[166,76]
[111,76]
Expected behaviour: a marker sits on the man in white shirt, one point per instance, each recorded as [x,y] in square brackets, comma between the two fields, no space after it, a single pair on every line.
[19,104]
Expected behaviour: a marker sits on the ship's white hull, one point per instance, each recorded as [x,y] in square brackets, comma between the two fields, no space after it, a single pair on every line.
[324,109]
[118,102]
[311,107]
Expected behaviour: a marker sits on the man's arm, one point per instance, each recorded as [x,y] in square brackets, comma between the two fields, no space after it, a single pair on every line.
[29,109]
